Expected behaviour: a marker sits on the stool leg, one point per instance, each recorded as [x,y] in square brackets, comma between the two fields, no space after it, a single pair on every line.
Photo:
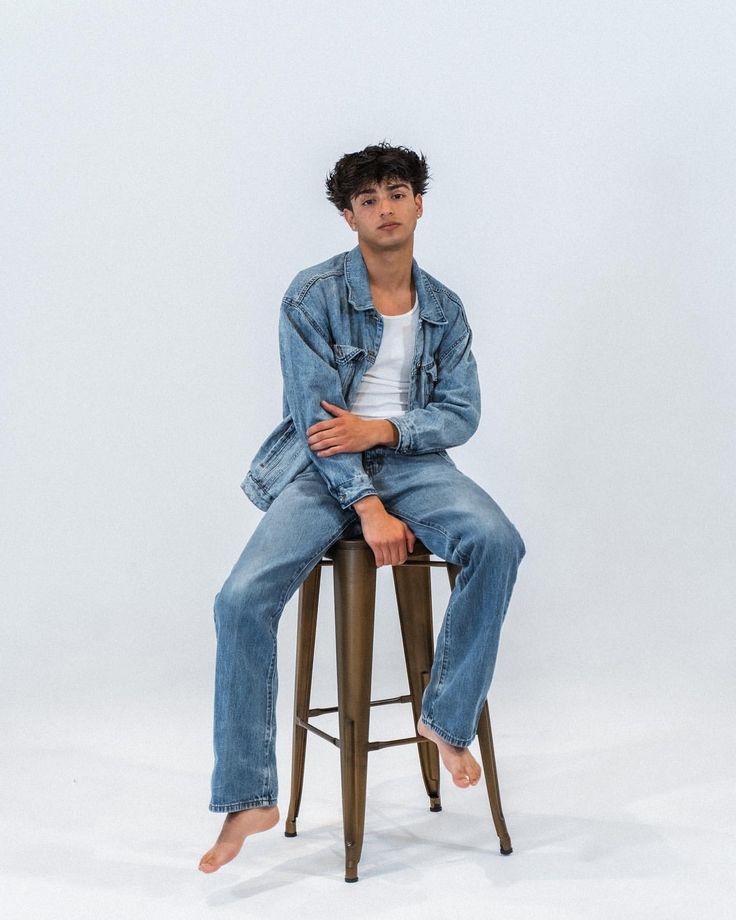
[413,588]
[355,595]
[485,742]
[306,634]
[485,739]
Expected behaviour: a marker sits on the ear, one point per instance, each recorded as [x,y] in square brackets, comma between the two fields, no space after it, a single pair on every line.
[349,218]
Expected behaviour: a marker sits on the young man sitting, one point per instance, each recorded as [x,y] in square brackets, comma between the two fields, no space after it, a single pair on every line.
[379,380]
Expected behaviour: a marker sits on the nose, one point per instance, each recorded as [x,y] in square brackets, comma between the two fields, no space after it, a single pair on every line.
[386,207]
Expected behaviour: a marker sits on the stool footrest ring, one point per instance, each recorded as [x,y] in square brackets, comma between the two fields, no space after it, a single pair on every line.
[394,699]
[371,746]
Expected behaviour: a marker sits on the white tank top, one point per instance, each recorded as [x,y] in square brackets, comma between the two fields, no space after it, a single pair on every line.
[384,388]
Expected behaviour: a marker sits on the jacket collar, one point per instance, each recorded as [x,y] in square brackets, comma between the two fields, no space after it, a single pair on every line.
[359,290]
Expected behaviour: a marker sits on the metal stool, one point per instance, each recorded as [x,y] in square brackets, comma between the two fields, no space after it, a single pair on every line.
[354,572]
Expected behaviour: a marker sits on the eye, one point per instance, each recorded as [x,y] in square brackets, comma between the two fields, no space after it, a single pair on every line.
[367,200]
[400,194]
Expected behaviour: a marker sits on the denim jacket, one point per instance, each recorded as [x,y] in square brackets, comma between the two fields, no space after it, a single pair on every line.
[329,335]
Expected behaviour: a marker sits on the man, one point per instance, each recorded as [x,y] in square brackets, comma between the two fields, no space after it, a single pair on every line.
[379,379]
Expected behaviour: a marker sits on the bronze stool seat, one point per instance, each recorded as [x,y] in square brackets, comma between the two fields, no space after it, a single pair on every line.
[354,573]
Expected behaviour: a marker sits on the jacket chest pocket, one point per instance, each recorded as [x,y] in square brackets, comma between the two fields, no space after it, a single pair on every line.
[427,380]
[349,359]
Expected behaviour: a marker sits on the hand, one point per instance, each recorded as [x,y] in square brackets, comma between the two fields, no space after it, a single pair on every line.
[386,535]
[347,433]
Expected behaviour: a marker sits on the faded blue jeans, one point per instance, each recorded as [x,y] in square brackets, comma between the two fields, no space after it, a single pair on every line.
[452,516]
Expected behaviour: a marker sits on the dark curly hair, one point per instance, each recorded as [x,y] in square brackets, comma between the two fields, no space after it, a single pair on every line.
[353,171]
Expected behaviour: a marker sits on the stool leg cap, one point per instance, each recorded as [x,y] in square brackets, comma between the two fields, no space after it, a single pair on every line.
[351,879]
[506,852]
[289,833]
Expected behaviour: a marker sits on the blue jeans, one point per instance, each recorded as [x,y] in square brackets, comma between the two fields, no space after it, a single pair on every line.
[452,516]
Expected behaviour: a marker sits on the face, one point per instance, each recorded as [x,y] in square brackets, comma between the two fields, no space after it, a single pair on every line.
[390,203]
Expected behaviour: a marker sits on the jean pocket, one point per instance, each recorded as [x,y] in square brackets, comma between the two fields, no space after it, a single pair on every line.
[348,358]
[427,381]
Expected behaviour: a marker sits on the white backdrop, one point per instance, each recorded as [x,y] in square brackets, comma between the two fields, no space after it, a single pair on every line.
[162,181]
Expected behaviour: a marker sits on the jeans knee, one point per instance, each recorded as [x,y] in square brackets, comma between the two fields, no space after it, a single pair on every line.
[501,538]
[231,602]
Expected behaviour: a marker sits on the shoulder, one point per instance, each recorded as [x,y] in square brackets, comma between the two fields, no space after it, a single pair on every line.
[450,302]
[314,277]
[439,288]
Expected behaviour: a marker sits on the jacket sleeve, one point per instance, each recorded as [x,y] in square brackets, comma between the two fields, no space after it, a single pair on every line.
[452,413]
[310,374]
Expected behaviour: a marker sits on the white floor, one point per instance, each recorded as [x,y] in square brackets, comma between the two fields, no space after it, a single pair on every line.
[620,804]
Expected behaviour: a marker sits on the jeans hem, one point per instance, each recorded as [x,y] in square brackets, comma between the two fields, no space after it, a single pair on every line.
[241,806]
[447,736]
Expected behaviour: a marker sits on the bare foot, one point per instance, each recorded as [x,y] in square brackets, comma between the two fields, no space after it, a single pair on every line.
[464,768]
[238,825]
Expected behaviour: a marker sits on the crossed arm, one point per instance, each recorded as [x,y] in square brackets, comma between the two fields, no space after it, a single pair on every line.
[312,388]
[336,436]
[347,432]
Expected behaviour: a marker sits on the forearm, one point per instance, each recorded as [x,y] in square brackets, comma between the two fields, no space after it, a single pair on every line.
[387,433]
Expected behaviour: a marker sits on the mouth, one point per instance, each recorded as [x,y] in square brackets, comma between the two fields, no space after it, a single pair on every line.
[388,226]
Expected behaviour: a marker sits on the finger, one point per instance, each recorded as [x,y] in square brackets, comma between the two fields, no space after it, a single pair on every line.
[326,441]
[332,450]
[318,436]
[326,423]
[333,408]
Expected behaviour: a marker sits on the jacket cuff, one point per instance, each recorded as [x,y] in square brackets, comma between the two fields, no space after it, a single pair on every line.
[350,490]
[403,426]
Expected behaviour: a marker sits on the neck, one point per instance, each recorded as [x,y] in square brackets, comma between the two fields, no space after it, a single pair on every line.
[389,270]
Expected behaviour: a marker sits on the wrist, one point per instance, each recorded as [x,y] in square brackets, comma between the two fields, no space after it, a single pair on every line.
[369,504]
[386,433]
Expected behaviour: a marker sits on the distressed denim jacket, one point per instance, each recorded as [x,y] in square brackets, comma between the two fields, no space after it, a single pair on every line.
[329,335]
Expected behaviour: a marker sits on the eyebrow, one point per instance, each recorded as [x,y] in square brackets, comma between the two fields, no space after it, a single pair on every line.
[372,190]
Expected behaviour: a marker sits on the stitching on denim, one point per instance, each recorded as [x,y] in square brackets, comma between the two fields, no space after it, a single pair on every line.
[363,493]
[246,803]
[312,279]
[346,355]
[463,338]
[282,442]
[445,649]
[280,446]
[258,485]
[309,318]
[440,288]
[269,712]
[447,736]
[346,482]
